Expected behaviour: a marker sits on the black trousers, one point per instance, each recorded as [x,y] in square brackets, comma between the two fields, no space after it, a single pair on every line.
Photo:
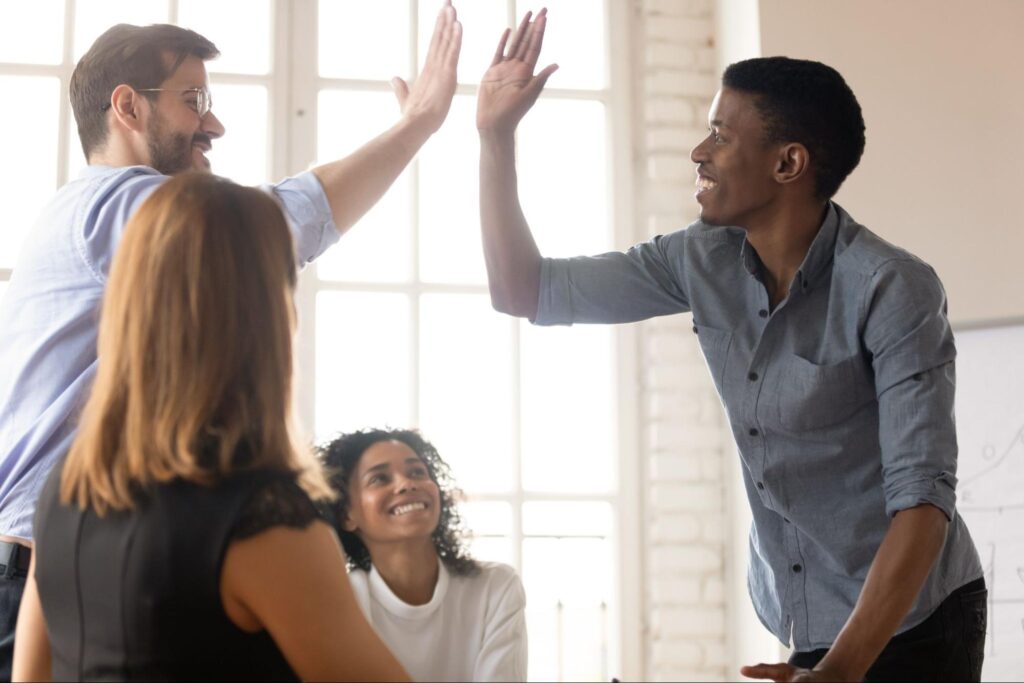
[11,589]
[947,646]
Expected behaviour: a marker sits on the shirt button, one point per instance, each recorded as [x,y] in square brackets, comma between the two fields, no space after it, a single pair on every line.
[695,329]
[763,313]
[760,485]
[752,377]
[753,431]
[797,568]
[917,377]
[786,520]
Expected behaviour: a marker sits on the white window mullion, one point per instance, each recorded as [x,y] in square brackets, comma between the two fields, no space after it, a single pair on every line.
[296,56]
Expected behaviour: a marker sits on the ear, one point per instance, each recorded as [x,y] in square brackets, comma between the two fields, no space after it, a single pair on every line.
[127,106]
[792,163]
[349,524]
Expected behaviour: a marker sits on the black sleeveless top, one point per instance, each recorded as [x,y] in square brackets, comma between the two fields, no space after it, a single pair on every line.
[135,595]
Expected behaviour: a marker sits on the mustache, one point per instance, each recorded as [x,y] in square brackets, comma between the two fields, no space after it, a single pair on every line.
[203,139]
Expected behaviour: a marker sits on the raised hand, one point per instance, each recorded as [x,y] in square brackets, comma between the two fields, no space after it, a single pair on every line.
[510,88]
[428,101]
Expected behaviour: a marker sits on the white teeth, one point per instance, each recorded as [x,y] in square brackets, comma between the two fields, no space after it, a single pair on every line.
[403,509]
[705,183]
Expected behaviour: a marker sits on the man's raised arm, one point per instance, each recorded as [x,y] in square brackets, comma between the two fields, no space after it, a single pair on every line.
[357,182]
[508,90]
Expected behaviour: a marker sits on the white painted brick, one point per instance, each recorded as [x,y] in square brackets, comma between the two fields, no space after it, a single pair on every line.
[676,140]
[678,7]
[676,653]
[711,467]
[676,590]
[676,405]
[715,653]
[680,83]
[676,529]
[689,30]
[687,497]
[669,167]
[689,559]
[672,434]
[713,526]
[675,468]
[670,110]
[672,56]
[693,675]
[706,59]
[713,592]
[671,197]
[672,622]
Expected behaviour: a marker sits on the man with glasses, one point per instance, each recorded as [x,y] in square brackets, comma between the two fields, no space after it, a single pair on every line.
[144,112]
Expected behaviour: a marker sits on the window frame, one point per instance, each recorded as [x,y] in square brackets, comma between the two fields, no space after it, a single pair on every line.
[292,85]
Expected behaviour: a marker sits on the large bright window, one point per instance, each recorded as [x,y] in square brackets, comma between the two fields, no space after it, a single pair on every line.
[396,324]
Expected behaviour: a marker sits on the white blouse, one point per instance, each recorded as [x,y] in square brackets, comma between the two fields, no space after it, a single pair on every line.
[473,628]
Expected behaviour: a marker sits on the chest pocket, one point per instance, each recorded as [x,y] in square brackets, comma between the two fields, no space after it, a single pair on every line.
[812,396]
[715,346]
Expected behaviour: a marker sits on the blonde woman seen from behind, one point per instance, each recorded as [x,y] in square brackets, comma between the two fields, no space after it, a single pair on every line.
[179,540]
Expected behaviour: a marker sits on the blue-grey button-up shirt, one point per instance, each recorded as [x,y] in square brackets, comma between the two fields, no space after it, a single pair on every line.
[840,400]
[49,315]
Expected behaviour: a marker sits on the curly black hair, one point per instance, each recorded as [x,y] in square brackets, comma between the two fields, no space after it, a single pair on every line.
[341,457]
[808,102]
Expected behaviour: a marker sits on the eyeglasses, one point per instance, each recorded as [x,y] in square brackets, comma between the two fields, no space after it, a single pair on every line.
[202,105]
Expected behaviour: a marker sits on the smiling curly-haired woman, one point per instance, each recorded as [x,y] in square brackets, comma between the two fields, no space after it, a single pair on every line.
[444,615]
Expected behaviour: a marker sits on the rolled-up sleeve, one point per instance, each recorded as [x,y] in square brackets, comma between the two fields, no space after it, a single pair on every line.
[616,287]
[912,350]
[309,215]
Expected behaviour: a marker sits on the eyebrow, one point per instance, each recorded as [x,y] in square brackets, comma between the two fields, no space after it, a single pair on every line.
[384,465]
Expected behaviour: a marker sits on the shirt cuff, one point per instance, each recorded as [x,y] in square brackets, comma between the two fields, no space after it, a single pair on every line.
[554,304]
[939,491]
[308,213]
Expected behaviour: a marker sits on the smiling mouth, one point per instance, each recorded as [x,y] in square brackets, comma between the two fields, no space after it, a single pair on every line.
[705,184]
[407,508]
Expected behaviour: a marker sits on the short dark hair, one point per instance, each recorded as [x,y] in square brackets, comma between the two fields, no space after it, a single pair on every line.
[341,457]
[135,56]
[807,102]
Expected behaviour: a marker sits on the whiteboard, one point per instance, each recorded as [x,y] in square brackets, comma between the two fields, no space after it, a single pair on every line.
[990,433]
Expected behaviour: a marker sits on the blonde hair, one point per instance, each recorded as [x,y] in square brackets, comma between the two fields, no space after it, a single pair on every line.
[195,350]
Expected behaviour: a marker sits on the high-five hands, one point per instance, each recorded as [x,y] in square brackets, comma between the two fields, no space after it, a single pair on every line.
[510,88]
[430,97]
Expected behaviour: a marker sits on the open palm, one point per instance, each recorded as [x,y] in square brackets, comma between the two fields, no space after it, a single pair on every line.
[509,87]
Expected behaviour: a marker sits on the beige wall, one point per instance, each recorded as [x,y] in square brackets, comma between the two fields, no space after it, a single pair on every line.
[941,83]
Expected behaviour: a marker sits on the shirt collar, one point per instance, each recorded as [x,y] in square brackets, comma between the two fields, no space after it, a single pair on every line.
[383,595]
[818,257]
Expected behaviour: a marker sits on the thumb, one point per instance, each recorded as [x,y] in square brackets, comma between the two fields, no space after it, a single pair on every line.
[541,79]
[401,89]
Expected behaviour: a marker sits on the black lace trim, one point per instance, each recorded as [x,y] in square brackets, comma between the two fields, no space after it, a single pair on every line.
[279,503]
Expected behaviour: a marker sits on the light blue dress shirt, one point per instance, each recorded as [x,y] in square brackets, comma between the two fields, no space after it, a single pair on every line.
[840,400]
[49,316]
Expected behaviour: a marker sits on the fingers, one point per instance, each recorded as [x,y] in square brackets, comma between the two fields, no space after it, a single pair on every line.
[532,52]
[541,79]
[454,46]
[499,54]
[442,30]
[524,27]
[775,672]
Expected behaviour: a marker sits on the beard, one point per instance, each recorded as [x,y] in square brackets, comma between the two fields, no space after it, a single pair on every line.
[170,153]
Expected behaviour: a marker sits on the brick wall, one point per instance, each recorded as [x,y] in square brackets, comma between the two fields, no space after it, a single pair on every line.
[685,440]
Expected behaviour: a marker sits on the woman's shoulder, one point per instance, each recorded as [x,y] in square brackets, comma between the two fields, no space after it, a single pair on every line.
[496,580]
[273,498]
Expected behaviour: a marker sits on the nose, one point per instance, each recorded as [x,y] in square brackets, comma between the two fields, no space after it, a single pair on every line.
[405,485]
[699,154]
[212,126]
